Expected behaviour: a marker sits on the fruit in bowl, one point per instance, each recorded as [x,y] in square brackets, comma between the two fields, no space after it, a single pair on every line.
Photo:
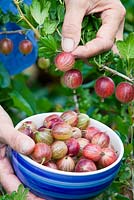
[71,166]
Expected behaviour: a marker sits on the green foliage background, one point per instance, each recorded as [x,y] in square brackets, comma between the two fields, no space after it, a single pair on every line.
[42,90]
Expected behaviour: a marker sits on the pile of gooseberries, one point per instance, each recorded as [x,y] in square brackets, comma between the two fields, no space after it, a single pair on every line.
[68,142]
[6,46]
[104,86]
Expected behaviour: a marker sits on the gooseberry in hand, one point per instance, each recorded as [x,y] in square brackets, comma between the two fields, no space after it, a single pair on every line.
[124,92]
[72,78]
[64,61]
[6,46]
[25,47]
[104,87]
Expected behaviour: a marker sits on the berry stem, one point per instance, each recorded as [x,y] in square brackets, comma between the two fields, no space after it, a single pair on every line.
[76,101]
[16,2]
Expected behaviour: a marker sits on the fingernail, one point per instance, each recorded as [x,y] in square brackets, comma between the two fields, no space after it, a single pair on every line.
[67,44]
[27,146]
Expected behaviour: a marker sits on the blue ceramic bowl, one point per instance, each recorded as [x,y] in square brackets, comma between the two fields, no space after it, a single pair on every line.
[52,184]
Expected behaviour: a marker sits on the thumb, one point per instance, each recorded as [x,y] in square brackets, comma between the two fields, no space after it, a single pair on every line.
[71,29]
[15,139]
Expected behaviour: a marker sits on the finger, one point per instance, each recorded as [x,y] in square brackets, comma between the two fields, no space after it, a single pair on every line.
[2,152]
[119,36]
[4,117]
[105,37]
[6,173]
[15,139]
[71,29]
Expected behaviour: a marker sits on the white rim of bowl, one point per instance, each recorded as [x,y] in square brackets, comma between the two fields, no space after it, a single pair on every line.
[34,163]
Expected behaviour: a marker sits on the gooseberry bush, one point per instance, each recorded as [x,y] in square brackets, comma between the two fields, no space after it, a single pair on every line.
[101,87]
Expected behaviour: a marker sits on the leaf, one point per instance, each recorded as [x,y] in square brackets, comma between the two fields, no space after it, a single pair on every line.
[4,77]
[61,13]
[21,103]
[44,105]
[20,194]
[38,13]
[47,46]
[49,27]
[126,47]
[121,197]
[19,85]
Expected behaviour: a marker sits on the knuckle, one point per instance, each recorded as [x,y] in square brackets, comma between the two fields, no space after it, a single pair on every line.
[123,11]
[70,29]
[107,44]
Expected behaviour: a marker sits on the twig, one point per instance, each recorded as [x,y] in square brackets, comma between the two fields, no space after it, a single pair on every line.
[117,73]
[16,2]
[12,32]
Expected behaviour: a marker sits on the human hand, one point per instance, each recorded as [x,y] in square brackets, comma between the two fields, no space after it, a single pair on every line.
[18,141]
[112,13]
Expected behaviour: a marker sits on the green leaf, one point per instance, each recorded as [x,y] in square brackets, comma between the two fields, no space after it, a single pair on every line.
[49,27]
[4,77]
[121,197]
[61,13]
[126,47]
[38,13]
[44,105]
[21,103]
[47,46]
[19,85]
[20,194]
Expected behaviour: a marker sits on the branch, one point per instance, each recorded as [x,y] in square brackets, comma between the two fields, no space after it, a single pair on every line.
[117,73]
[103,67]
[12,32]
[16,2]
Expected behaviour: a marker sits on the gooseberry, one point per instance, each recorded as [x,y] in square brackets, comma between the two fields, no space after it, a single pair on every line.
[64,61]
[25,47]
[92,152]
[70,117]
[104,86]
[108,156]
[6,46]
[124,92]
[85,165]
[72,78]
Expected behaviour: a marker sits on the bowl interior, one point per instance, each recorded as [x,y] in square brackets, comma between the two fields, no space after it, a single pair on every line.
[114,140]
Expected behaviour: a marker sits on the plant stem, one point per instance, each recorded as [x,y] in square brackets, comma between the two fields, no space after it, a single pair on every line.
[16,2]
[76,101]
